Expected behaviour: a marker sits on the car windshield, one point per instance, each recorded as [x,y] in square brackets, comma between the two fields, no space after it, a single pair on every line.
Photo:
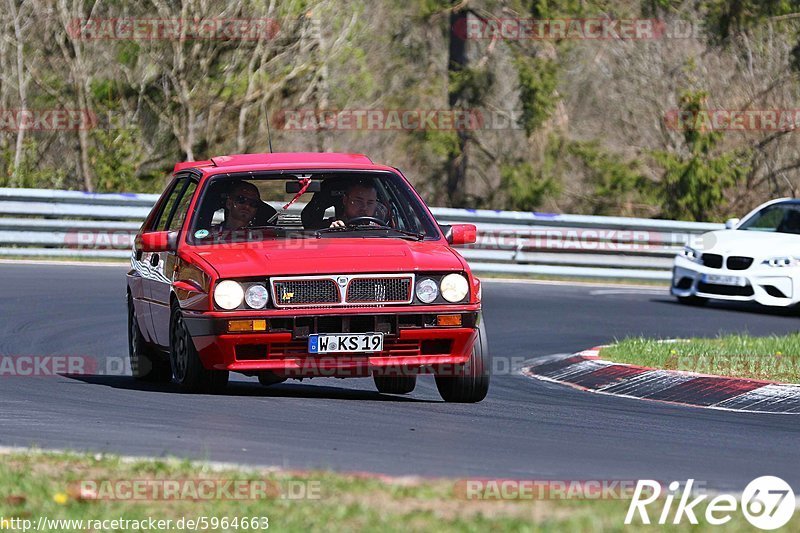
[304,205]
[777,218]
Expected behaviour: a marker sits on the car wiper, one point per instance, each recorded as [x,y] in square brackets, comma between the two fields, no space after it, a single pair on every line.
[417,236]
[411,234]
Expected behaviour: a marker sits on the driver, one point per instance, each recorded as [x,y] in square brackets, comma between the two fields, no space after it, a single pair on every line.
[360,199]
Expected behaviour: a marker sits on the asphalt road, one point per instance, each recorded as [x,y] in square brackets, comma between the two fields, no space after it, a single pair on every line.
[525,429]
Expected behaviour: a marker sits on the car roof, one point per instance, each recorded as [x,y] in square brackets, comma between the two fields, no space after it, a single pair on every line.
[283,161]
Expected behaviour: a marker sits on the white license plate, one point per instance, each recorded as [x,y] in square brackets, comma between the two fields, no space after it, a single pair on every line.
[716,279]
[346,343]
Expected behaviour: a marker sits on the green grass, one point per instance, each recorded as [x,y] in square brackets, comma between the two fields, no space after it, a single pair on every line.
[773,358]
[36,484]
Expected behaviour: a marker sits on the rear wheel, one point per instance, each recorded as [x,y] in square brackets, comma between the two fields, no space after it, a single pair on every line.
[395,384]
[147,364]
[188,370]
[470,382]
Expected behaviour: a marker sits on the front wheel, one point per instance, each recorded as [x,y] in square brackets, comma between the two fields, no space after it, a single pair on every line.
[188,370]
[470,382]
[146,363]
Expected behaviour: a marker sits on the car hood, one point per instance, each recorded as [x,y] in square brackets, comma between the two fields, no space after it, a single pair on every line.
[329,256]
[749,243]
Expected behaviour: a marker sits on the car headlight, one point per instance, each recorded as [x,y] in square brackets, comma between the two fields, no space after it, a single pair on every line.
[228,294]
[691,254]
[256,296]
[781,261]
[427,291]
[454,287]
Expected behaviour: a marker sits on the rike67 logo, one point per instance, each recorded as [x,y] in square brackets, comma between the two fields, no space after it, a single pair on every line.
[767,502]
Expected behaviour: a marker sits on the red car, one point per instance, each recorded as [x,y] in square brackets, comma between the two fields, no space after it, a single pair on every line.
[295,265]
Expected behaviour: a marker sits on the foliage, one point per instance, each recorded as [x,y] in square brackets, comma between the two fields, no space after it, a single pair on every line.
[725,18]
[616,183]
[114,159]
[528,185]
[30,173]
[695,180]
[538,78]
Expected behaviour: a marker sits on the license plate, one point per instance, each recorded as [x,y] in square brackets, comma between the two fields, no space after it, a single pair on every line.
[716,279]
[346,343]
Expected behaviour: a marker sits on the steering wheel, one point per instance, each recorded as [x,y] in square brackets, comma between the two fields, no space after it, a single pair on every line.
[355,220]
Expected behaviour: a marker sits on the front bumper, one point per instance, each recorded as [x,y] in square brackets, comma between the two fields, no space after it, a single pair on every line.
[412,341]
[778,287]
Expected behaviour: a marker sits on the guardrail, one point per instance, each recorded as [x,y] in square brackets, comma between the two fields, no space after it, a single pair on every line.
[53,223]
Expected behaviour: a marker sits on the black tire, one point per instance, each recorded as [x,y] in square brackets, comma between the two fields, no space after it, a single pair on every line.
[147,363]
[695,301]
[471,384]
[395,384]
[269,378]
[187,369]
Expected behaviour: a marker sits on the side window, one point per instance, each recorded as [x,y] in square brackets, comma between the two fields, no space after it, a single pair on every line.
[160,221]
[179,216]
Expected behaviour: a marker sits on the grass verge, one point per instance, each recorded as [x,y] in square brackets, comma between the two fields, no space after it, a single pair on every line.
[773,358]
[54,485]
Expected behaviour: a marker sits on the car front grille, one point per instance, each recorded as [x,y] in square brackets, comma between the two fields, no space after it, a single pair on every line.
[305,292]
[712,260]
[379,290]
[340,290]
[724,290]
[736,262]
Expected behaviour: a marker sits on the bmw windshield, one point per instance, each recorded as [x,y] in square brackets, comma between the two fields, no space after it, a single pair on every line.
[776,218]
[240,208]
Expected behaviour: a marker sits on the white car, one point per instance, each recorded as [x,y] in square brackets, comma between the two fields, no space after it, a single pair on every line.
[755,259]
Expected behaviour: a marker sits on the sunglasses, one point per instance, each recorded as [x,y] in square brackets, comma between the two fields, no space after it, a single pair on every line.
[240,200]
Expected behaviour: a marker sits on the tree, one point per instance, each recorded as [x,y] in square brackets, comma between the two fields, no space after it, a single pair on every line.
[695,181]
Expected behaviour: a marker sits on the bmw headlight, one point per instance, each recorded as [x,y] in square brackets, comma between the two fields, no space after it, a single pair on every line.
[256,296]
[691,254]
[781,261]
[427,291]
[228,294]
[454,287]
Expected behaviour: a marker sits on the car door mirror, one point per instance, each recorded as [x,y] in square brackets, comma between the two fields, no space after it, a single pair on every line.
[459,234]
[731,223]
[158,241]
